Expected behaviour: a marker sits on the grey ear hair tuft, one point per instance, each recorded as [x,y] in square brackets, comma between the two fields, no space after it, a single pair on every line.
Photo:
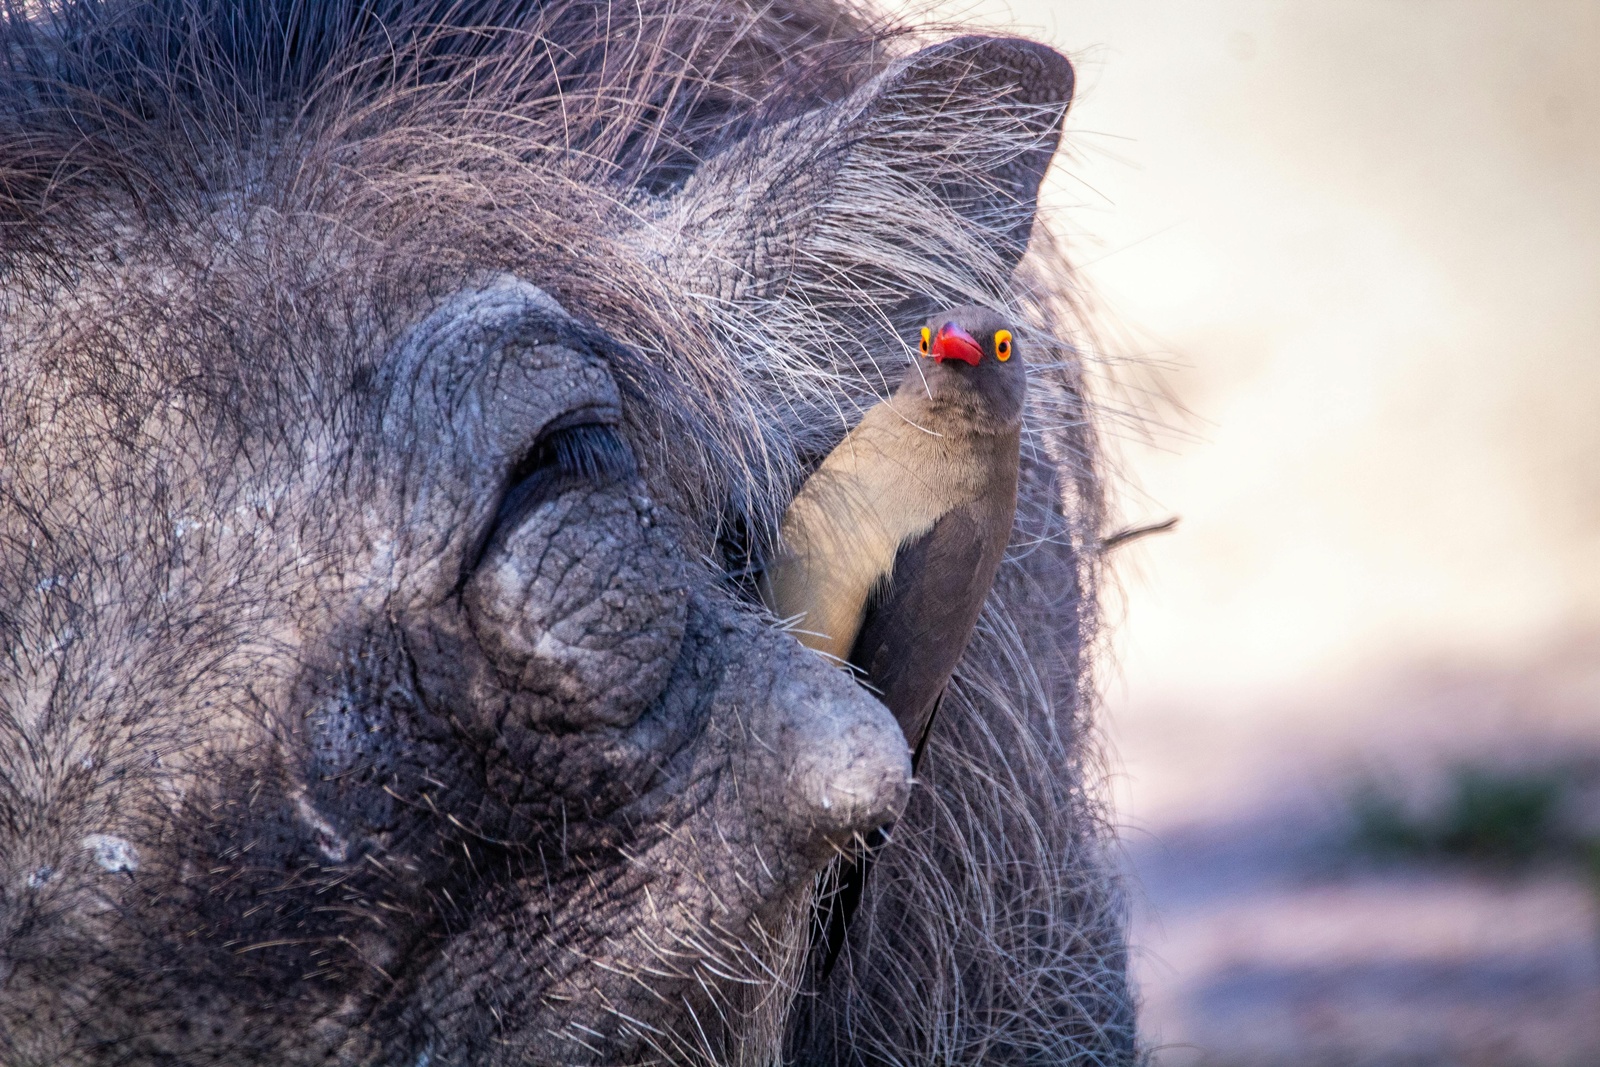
[1031,81]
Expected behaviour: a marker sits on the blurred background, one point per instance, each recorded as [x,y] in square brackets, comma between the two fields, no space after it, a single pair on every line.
[1351,253]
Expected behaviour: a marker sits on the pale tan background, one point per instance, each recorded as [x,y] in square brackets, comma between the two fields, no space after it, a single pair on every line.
[1361,241]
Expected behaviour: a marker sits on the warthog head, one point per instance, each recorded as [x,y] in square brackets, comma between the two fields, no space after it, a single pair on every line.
[396,397]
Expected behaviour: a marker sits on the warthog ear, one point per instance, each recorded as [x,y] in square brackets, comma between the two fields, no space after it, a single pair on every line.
[984,115]
[922,182]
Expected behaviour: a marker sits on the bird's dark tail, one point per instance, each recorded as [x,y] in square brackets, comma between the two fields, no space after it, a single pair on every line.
[845,881]
[838,897]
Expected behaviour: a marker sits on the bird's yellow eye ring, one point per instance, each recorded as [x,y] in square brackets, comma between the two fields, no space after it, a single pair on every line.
[927,340]
[1002,345]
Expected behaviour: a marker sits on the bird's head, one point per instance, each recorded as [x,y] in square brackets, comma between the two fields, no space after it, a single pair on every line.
[974,360]
[970,334]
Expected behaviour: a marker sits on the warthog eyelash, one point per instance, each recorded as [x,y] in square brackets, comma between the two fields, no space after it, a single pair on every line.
[587,453]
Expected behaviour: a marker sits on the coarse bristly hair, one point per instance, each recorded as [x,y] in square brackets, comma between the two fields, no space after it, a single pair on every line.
[213,212]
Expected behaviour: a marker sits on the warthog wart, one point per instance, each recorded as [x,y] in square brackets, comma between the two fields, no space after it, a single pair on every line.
[397,398]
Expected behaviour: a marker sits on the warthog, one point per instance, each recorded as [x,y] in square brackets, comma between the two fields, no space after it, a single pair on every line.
[397,398]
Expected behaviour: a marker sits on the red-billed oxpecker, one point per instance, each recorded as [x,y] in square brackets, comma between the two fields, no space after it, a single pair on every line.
[888,551]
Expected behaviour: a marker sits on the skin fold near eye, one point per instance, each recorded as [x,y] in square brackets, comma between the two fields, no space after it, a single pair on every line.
[585,453]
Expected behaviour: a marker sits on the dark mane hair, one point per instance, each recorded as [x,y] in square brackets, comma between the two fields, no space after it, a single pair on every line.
[143,106]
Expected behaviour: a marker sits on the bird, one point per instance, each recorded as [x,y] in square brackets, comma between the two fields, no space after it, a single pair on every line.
[886,554]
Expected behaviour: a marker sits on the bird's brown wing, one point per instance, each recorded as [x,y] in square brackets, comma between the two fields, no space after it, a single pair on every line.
[917,626]
[918,622]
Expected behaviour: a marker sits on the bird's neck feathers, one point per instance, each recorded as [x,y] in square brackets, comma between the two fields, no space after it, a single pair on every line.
[987,398]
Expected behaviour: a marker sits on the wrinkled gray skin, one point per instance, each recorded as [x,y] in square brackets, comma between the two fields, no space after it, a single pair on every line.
[308,754]
[582,693]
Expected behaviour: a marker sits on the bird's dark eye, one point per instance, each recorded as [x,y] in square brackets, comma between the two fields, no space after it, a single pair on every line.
[1002,345]
[584,453]
[927,340]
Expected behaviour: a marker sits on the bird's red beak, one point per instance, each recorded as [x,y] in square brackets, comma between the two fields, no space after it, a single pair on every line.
[952,342]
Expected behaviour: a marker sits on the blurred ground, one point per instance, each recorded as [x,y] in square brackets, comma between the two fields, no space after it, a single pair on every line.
[1248,961]
[1360,242]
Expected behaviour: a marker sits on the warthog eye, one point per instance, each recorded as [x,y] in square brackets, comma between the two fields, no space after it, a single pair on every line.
[583,453]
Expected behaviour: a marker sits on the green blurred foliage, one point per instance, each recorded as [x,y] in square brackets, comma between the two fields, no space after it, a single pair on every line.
[1501,816]
[1486,815]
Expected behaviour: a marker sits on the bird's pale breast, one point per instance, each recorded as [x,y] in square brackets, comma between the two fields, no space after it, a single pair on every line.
[889,480]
